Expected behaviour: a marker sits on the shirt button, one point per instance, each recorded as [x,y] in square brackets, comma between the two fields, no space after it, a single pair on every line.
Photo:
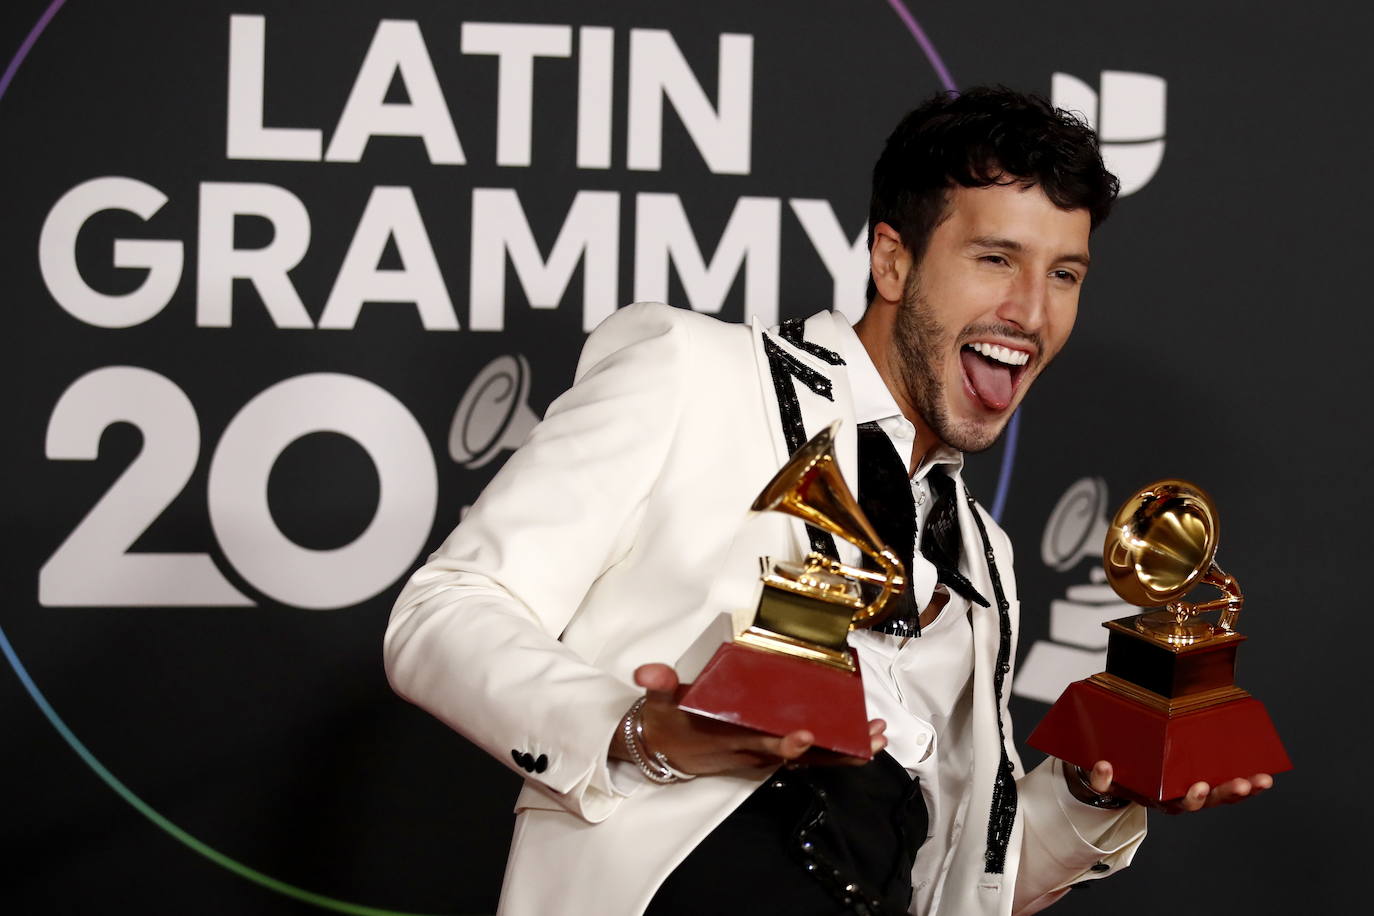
[921,740]
[903,430]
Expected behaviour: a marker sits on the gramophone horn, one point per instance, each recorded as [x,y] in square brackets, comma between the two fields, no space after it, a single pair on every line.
[810,487]
[1161,543]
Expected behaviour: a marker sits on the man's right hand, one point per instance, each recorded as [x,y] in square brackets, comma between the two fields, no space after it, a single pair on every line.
[697,745]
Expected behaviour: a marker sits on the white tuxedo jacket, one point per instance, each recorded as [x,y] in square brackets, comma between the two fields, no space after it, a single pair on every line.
[612,538]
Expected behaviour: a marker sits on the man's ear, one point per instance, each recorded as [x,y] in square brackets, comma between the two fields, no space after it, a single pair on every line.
[890,263]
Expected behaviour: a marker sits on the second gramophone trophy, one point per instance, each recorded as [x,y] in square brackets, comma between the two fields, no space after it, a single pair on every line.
[793,668]
[1166,713]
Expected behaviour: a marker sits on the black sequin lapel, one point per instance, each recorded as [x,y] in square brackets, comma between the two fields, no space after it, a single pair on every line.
[885,498]
[784,368]
[1003,814]
[791,331]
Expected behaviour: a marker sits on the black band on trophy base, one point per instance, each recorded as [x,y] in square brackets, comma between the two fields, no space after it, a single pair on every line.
[1170,671]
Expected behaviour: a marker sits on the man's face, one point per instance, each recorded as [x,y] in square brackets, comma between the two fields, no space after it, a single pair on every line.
[990,303]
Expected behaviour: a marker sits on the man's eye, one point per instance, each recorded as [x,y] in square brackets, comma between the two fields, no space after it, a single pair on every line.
[1065,275]
[993,259]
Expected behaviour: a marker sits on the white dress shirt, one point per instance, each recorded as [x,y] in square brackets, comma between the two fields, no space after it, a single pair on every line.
[920,685]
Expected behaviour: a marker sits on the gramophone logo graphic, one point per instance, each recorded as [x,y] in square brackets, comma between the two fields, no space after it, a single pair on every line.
[1077,647]
[493,415]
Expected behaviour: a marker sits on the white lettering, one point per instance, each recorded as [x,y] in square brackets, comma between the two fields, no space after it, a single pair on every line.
[247,138]
[516,46]
[658,69]
[595,50]
[499,227]
[220,263]
[391,213]
[846,261]
[397,48]
[251,445]
[57,254]
[750,239]
[95,566]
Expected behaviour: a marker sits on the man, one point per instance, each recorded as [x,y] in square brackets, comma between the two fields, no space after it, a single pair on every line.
[619,532]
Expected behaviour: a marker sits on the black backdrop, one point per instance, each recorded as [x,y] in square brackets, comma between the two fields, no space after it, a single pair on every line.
[211,731]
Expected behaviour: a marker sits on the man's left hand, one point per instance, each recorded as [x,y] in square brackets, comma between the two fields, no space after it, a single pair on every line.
[1199,795]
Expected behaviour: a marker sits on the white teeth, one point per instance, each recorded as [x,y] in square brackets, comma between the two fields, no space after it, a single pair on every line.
[1002,354]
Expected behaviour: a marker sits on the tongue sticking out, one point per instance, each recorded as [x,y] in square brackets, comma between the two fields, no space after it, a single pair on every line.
[991,380]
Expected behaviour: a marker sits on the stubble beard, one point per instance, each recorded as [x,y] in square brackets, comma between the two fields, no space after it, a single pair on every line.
[920,339]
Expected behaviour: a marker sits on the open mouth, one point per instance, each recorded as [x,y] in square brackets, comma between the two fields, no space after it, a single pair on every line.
[993,371]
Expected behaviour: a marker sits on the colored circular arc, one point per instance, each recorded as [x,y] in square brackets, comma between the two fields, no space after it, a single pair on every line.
[937,63]
[142,807]
[927,47]
[209,852]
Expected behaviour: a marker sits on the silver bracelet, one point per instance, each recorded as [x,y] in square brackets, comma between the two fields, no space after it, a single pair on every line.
[1099,799]
[632,728]
[657,756]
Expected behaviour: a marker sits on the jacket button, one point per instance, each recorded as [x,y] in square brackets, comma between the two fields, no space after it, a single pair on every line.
[542,763]
[1100,866]
[516,756]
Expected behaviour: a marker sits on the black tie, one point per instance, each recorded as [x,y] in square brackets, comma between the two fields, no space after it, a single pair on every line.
[885,497]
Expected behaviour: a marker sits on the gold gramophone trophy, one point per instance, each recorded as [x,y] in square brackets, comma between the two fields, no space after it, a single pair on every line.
[1166,713]
[793,668]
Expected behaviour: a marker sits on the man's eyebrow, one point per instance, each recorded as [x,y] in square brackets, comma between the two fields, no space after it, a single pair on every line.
[992,241]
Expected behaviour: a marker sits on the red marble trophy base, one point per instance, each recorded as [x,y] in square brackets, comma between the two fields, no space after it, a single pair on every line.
[1155,754]
[778,694]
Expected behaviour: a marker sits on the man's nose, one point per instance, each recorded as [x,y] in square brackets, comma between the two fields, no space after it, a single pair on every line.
[1026,302]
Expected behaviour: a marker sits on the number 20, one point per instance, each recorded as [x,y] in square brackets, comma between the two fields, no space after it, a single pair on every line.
[93,566]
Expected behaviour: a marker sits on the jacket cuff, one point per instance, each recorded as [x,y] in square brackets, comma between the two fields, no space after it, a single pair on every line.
[1061,848]
[592,791]
[1096,836]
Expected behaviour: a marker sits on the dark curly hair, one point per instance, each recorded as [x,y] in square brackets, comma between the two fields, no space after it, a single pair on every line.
[983,136]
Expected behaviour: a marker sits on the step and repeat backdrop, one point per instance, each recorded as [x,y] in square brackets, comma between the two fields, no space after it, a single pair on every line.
[285,283]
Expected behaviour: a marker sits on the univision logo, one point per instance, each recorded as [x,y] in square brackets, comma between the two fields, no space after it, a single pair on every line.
[1128,115]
